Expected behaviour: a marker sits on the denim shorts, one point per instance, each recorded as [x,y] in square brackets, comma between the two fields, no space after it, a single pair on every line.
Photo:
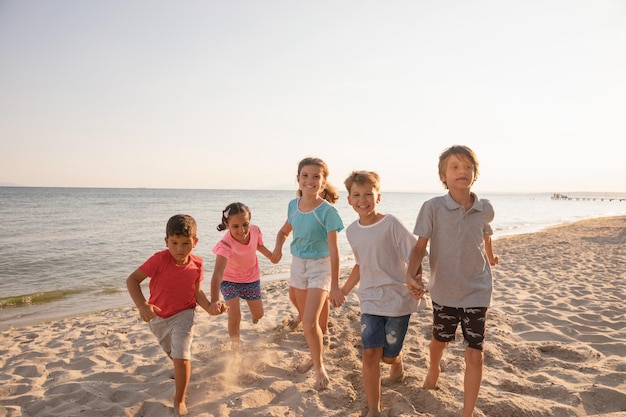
[310,273]
[385,332]
[175,333]
[244,290]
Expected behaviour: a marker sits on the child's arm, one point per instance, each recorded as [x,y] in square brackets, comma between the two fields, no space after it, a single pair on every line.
[201,298]
[414,269]
[266,252]
[353,279]
[215,306]
[203,301]
[493,259]
[336,295]
[280,240]
[133,283]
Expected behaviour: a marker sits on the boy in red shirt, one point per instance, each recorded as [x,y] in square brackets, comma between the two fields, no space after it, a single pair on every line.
[175,288]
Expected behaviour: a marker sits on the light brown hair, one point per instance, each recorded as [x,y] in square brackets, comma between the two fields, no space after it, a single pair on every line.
[461,151]
[329,193]
[362,178]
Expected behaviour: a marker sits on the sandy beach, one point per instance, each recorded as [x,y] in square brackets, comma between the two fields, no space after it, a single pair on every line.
[556,347]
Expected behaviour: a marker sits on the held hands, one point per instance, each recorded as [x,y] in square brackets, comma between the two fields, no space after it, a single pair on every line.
[146,312]
[217,308]
[276,256]
[337,297]
[416,287]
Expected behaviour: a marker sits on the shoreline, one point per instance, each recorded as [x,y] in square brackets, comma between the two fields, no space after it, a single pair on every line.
[78,303]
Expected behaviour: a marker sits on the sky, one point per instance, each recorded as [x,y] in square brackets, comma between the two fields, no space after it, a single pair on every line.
[232,94]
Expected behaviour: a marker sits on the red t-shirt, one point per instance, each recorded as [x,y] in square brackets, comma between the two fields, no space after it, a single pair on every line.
[172,286]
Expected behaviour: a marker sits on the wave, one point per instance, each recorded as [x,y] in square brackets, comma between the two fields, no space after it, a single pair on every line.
[35,298]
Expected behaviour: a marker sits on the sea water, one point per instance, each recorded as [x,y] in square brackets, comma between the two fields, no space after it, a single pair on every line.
[66,251]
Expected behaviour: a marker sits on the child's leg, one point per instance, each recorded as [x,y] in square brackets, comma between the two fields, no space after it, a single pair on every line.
[395,332]
[292,298]
[324,316]
[234,321]
[473,326]
[256,309]
[182,373]
[175,335]
[311,302]
[473,377]
[436,352]
[396,373]
[371,379]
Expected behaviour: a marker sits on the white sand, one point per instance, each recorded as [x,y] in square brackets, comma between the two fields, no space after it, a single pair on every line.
[556,346]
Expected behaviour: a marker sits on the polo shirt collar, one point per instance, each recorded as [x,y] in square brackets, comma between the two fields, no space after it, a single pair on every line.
[453,205]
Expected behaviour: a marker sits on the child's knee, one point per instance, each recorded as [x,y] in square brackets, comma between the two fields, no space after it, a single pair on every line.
[474,357]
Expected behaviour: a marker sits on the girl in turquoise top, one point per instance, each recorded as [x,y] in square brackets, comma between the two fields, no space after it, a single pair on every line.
[315,256]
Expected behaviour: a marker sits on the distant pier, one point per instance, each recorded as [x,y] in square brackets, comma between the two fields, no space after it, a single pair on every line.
[558,196]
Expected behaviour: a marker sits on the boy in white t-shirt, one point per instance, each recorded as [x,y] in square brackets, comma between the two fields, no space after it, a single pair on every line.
[381,244]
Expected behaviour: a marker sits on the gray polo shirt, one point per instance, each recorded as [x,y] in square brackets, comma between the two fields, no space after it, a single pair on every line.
[460,275]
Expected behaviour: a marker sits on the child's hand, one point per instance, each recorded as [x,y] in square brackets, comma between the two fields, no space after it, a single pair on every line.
[494,261]
[217,308]
[416,287]
[337,297]
[276,256]
[146,312]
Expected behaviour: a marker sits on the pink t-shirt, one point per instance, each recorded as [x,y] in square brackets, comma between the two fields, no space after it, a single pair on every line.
[172,286]
[243,263]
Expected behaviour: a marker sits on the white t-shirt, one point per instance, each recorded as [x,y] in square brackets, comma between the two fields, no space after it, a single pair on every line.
[382,251]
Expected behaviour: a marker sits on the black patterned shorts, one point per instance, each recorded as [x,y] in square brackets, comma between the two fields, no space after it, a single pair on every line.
[447,319]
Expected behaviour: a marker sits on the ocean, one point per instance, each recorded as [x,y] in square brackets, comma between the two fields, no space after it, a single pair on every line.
[68,251]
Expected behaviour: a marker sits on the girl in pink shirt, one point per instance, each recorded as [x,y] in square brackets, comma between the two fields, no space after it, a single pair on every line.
[237,274]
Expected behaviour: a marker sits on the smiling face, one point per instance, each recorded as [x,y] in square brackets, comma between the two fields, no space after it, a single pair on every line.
[239,226]
[363,198]
[180,247]
[459,172]
[311,180]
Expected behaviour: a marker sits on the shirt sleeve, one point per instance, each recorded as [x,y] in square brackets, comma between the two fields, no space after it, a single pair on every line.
[222,249]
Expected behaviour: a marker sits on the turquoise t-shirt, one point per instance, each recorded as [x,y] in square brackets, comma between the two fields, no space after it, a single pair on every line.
[310,229]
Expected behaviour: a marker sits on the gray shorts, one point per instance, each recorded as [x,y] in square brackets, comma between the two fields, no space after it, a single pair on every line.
[310,273]
[175,333]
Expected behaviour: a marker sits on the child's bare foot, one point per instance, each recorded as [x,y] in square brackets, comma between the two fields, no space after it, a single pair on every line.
[321,379]
[373,414]
[235,345]
[304,366]
[393,379]
[294,323]
[396,373]
[180,409]
[431,378]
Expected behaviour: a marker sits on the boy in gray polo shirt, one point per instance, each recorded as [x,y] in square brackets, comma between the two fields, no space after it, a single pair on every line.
[458,227]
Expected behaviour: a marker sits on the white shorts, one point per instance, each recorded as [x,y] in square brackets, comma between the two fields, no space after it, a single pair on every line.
[175,333]
[310,273]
